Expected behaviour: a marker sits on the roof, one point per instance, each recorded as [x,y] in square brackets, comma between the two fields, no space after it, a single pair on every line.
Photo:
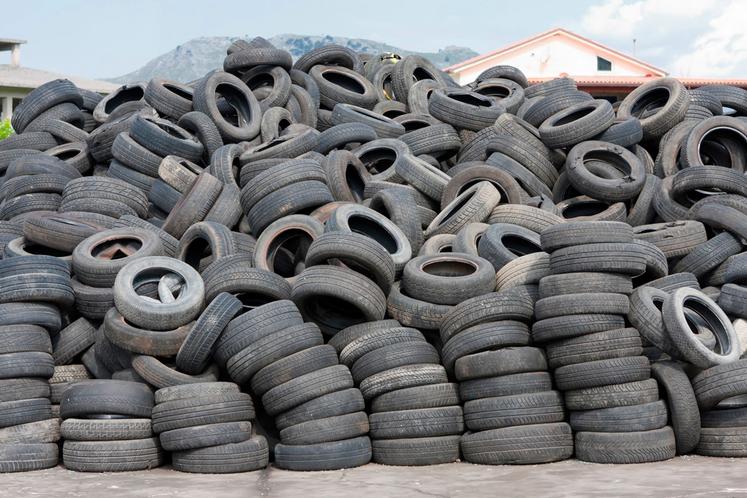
[547,34]
[635,81]
[28,78]
[8,43]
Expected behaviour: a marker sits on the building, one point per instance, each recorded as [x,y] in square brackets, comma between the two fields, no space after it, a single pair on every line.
[597,69]
[17,81]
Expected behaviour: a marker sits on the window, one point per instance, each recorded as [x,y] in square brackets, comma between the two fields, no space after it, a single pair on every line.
[603,64]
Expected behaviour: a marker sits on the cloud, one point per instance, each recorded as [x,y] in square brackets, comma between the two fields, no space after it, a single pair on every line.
[697,38]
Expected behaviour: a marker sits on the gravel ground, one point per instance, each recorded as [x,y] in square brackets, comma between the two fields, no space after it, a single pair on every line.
[682,476]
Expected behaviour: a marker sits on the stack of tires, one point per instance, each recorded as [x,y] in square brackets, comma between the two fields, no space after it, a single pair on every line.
[614,404]
[311,397]
[510,409]
[35,290]
[143,333]
[68,346]
[107,427]
[207,428]
[415,415]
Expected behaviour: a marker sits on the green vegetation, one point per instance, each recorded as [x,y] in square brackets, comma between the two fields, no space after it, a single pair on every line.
[5,129]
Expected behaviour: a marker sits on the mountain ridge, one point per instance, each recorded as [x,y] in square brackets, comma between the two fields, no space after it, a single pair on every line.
[192,59]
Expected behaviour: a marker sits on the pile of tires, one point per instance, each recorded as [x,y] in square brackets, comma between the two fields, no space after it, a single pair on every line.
[207,428]
[382,259]
[415,415]
[106,425]
[614,404]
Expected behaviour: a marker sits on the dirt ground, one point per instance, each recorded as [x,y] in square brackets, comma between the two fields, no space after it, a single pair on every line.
[681,477]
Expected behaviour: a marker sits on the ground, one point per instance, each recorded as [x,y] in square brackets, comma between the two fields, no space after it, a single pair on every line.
[688,476]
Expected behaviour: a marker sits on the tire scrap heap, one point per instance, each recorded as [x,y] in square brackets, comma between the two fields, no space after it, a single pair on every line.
[348,258]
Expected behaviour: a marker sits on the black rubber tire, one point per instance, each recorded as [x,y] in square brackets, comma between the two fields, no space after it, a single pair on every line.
[514,410]
[400,378]
[245,456]
[333,404]
[634,418]
[612,395]
[417,397]
[28,364]
[202,410]
[626,447]
[305,388]
[416,451]
[608,344]
[505,361]
[107,396]
[584,282]
[239,96]
[504,385]
[602,372]
[112,456]
[326,429]
[683,407]
[72,341]
[116,429]
[581,304]
[625,258]
[513,304]
[722,442]
[201,436]
[335,455]
[483,337]
[718,383]
[528,444]
[25,457]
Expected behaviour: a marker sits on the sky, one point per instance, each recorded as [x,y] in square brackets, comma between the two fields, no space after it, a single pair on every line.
[108,38]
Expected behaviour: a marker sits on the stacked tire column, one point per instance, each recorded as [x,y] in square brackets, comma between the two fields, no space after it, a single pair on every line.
[207,427]
[414,412]
[512,413]
[33,290]
[107,427]
[614,404]
[320,415]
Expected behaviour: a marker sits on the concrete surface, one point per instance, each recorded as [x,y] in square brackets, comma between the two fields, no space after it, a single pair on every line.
[689,476]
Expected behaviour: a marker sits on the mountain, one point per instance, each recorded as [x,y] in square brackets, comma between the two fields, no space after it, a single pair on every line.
[191,60]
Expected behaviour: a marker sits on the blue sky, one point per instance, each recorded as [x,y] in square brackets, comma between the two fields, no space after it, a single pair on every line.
[108,38]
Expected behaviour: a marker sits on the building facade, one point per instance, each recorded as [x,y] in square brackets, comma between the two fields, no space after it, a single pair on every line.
[17,81]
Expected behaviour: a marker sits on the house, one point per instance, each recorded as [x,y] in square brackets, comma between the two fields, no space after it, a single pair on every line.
[596,68]
[17,81]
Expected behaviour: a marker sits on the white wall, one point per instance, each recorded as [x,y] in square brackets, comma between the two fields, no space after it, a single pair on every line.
[552,57]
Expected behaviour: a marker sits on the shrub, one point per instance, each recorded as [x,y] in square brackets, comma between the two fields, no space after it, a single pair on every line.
[5,129]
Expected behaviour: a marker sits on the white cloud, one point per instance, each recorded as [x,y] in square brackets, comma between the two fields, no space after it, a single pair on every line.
[698,38]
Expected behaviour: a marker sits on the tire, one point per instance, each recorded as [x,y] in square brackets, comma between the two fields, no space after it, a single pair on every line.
[107,397]
[25,457]
[159,375]
[195,352]
[589,183]
[98,259]
[376,339]
[245,456]
[305,388]
[412,312]
[484,337]
[335,455]
[42,98]
[393,356]
[240,97]
[202,410]
[683,406]
[111,190]
[682,337]
[400,378]
[326,430]
[708,255]
[332,93]
[531,218]
[602,372]
[205,130]
[329,405]
[72,341]
[292,366]
[194,205]
[502,243]
[581,304]
[417,397]
[474,205]
[635,418]
[626,447]
[24,411]
[584,282]
[427,179]
[159,315]
[112,456]
[504,385]
[627,259]
[505,361]
[595,117]
[201,436]
[464,109]
[616,343]
[451,279]
[612,395]
[242,366]
[513,304]
[358,252]
[30,364]
[675,239]
[416,451]
[666,116]
[718,383]
[528,444]
[722,442]
[122,334]
[401,207]
[316,286]
[75,429]
[205,239]
[514,410]
[425,422]
[44,431]
[287,200]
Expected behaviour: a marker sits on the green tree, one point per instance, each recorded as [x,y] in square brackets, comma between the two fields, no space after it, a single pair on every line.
[5,129]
